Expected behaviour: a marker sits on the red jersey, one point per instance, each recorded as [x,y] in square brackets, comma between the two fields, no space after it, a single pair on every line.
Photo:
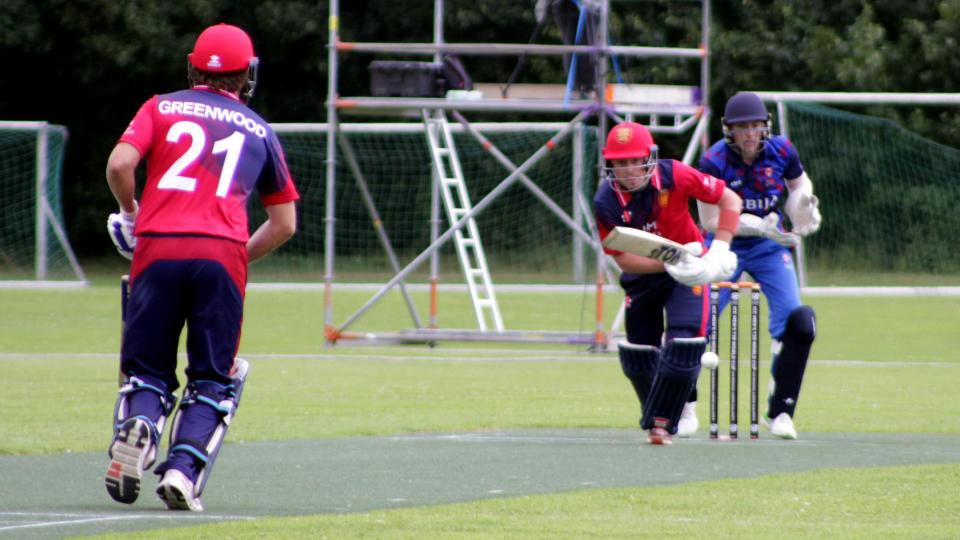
[663,207]
[206,152]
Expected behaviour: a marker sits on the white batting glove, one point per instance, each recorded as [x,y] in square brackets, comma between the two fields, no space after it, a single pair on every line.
[694,248]
[803,210]
[120,228]
[690,271]
[721,261]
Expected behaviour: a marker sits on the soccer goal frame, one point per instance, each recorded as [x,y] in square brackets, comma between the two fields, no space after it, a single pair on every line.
[46,221]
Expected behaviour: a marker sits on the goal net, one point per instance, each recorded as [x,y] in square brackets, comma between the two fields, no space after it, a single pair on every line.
[33,241]
[524,242]
[888,196]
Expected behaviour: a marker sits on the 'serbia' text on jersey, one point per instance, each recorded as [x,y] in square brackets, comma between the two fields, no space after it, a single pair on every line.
[202,110]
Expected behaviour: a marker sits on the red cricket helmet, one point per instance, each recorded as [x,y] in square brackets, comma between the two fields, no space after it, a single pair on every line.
[222,48]
[629,140]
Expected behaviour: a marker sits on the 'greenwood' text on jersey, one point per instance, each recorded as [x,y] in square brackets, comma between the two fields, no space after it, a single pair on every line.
[206,153]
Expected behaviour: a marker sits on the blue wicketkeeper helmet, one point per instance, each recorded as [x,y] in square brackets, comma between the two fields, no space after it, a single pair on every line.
[744,108]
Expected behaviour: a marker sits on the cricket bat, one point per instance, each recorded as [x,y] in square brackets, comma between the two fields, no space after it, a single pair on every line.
[646,244]
[124,298]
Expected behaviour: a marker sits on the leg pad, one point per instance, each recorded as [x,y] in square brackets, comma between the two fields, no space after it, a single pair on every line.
[148,400]
[790,361]
[676,374]
[201,423]
[639,365]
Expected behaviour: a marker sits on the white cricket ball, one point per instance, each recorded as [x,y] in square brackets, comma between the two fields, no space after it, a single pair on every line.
[710,360]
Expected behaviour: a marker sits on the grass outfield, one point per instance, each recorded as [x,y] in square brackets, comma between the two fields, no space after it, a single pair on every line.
[879,365]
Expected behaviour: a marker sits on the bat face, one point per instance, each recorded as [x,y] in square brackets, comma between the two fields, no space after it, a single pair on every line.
[644,244]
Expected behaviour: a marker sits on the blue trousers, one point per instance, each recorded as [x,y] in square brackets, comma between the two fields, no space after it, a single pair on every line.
[771,265]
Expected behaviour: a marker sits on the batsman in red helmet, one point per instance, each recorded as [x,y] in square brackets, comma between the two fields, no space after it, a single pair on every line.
[188,237]
[666,304]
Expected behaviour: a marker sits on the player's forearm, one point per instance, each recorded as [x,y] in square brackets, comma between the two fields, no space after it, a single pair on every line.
[729,216]
[800,184]
[121,175]
[280,226]
[122,187]
[265,239]
[709,215]
[635,264]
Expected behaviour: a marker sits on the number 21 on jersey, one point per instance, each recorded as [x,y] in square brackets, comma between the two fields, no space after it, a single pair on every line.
[232,146]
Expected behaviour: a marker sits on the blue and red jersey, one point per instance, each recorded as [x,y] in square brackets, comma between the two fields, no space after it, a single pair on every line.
[762,184]
[663,207]
[206,153]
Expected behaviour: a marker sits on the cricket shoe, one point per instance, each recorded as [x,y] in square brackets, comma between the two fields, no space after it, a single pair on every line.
[176,490]
[688,424]
[781,426]
[128,453]
[659,436]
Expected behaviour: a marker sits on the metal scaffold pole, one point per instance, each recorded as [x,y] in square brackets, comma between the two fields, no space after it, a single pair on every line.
[666,113]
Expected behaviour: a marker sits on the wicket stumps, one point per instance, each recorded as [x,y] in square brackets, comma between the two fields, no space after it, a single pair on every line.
[735,288]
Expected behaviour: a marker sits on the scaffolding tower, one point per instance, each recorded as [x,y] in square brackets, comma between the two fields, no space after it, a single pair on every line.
[664,111]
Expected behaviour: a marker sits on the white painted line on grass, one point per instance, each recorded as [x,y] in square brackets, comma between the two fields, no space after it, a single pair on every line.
[608,288]
[483,437]
[535,356]
[82,518]
[503,437]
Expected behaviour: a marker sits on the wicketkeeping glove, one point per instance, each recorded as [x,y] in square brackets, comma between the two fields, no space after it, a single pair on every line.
[120,229]
[767,227]
[803,210]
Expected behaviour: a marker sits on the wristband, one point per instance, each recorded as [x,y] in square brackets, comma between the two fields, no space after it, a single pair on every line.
[728,221]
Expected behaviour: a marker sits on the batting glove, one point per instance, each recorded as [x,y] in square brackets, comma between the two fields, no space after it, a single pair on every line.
[120,229]
[721,261]
[690,271]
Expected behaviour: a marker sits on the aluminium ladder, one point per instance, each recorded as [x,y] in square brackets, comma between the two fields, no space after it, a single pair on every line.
[456,200]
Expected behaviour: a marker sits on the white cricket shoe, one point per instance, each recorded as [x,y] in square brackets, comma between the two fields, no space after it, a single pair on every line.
[782,426]
[688,424]
[176,490]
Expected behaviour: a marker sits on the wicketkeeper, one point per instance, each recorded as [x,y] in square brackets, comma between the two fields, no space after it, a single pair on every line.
[189,241]
[766,172]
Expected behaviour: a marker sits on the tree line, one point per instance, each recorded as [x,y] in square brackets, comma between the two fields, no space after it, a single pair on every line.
[89,64]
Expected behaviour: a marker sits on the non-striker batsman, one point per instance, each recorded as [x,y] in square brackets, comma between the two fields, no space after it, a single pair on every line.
[206,153]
